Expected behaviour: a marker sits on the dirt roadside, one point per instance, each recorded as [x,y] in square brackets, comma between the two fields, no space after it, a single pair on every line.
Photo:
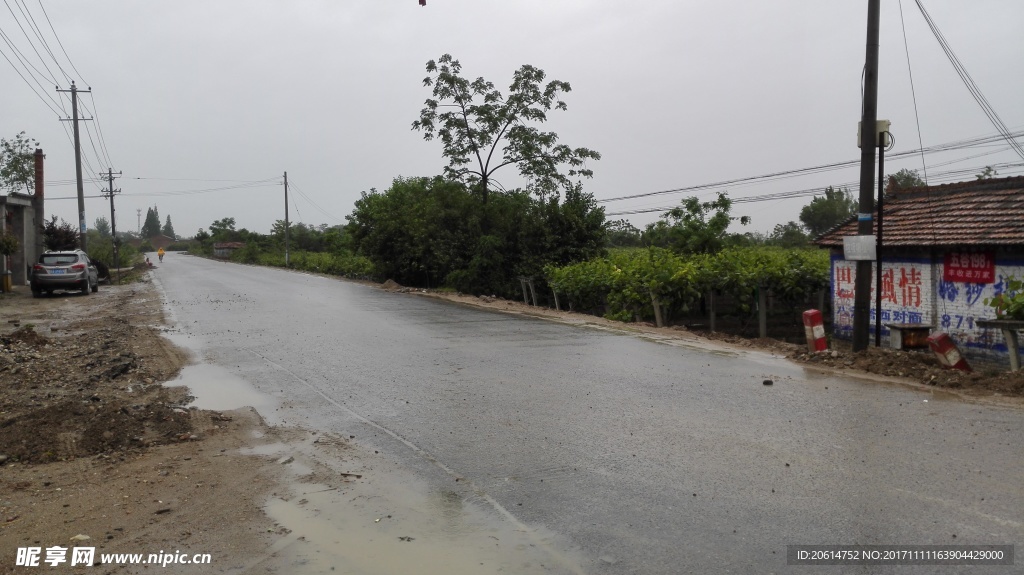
[96,453]
[93,446]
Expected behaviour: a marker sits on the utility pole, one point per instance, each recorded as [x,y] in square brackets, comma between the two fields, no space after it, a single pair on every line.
[286,220]
[113,222]
[138,214]
[868,139]
[882,137]
[78,162]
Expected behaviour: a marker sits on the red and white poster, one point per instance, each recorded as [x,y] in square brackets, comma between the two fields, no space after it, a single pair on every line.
[970,267]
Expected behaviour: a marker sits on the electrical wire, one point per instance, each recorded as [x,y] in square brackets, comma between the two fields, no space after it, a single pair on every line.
[42,60]
[913,94]
[786,174]
[29,68]
[23,8]
[99,128]
[965,77]
[29,84]
[852,187]
[61,44]
[291,185]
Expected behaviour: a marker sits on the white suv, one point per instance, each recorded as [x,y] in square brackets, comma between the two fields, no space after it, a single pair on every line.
[64,270]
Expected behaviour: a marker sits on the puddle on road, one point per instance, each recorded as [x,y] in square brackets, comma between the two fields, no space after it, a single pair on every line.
[395,530]
[216,388]
[382,519]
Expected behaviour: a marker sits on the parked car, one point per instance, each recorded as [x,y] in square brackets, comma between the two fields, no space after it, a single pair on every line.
[64,270]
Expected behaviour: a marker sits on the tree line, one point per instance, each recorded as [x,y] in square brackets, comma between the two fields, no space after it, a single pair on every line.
[464,229]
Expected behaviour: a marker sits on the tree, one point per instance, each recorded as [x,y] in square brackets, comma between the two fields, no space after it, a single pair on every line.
[151,227]
[622,234]
[788,235]
[168,229]
[17,164]
[481,130]
[222,228]
[828,211]
[102,227]
[987,174]
[906,179]
[62,236]
[430,232]
[694,226]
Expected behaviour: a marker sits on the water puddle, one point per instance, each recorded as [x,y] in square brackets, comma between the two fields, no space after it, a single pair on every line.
[367,528]
[218,389]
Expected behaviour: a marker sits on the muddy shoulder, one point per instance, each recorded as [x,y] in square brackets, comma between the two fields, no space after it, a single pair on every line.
[95,452]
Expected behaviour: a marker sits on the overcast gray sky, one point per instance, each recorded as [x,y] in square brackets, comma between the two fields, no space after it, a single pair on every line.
[196,96]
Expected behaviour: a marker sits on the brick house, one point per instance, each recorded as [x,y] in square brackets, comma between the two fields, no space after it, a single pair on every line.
[945,250]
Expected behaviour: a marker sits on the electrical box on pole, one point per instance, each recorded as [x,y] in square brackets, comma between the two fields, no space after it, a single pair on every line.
[881,133]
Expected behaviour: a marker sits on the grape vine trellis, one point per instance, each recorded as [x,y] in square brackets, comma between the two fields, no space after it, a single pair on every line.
[639,283]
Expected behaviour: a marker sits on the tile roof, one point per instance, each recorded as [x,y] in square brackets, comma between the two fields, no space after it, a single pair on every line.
[978,213]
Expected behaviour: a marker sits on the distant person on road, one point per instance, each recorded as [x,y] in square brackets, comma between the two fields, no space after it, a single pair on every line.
[160,254]
[149,264]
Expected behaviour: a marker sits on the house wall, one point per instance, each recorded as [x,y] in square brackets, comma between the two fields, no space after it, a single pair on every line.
[19,218]
[914,291]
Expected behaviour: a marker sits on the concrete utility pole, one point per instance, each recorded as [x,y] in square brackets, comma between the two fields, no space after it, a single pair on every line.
[286,219]
[868,139]
[138,214]
[78,161]
[113,222]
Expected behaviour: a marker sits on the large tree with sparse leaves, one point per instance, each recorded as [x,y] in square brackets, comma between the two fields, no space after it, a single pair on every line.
[17,164]
[483,130]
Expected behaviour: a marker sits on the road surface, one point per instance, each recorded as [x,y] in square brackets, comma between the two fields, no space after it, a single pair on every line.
[638,456]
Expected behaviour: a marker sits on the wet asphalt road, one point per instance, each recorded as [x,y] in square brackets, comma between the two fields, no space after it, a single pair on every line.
[640,457]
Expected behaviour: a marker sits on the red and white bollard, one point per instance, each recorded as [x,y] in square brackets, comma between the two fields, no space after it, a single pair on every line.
[944,348]
[814,328]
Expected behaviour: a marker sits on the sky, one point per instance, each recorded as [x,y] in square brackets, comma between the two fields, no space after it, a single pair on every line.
[203,106]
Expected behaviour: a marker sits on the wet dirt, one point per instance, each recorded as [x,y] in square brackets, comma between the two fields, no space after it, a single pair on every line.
[91,444]
[108,432]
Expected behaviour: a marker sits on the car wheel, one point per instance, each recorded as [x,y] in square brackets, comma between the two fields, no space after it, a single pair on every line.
[96,287]
[85,287]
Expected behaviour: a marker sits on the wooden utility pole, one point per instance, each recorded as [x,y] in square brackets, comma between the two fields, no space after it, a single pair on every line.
[78,163]
[286,220]
[868,141]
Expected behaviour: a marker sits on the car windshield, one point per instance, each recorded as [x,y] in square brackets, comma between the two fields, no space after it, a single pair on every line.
[58,259]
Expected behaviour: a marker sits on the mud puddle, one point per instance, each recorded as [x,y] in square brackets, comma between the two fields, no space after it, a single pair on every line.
[218,389]
[342,515]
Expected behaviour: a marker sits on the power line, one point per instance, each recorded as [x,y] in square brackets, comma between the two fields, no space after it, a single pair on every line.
[42,60]
[959,144]
[61,44]
[99,129]
[853,187]
[913,94]
[965,77]
[291,184]
[29,68]
[35,30]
